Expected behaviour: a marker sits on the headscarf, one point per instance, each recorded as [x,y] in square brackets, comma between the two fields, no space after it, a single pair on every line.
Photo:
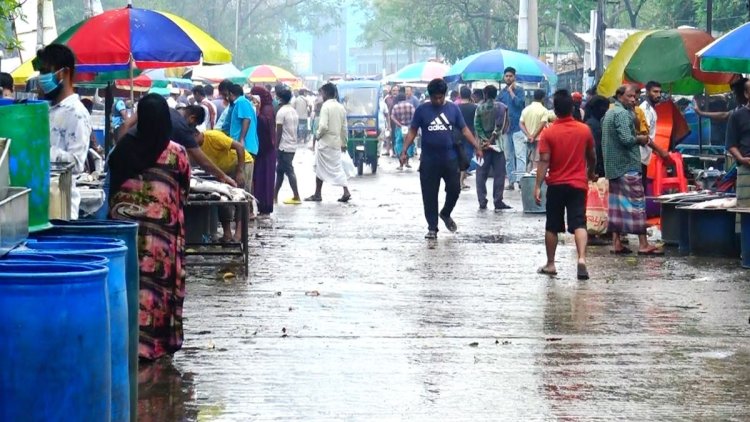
[266,121]
[138,152]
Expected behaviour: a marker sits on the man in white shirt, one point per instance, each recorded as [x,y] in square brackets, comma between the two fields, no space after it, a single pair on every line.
[69,121]
[209,107]
[331,140]
[287,123]
[302,107]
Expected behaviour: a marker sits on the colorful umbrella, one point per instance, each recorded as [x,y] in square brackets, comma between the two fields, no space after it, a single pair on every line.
[145,39]
[216,74]
[730,53]
[268,74]
[156,78]
[489,66]
[665,56]
[419,72]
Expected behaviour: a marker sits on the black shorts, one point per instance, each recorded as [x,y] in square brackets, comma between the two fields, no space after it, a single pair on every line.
[285,163]
[561,198]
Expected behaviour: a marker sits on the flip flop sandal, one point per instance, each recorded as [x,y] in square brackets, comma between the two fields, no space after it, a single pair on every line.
[623,251]
[652,252]
[313,199]
[541,270]
[582,272]
[345,198]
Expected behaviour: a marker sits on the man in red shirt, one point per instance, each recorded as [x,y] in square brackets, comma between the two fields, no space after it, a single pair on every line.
[567,150]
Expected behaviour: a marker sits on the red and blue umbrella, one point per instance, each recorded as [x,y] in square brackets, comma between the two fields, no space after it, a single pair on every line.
[419,72]
[730,53]
[144,39]
[490,65]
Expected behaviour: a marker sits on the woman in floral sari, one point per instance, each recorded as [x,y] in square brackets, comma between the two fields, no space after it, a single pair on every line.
[149,181]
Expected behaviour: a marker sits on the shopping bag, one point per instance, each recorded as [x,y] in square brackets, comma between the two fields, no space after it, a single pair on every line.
[348,164]
[597,206]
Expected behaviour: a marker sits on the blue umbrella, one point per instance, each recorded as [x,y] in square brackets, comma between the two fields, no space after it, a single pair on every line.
[489,66]
[728,53]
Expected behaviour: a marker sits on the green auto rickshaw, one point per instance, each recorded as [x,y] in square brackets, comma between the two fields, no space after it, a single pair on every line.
[362,102]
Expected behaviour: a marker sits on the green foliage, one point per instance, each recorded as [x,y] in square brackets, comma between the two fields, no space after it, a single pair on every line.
[260,29]
[8,10]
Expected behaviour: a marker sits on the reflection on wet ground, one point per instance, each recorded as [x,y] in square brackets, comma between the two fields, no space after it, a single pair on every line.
[348,314]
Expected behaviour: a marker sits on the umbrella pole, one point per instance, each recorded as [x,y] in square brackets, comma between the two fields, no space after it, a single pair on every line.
[700,129]
[132,96]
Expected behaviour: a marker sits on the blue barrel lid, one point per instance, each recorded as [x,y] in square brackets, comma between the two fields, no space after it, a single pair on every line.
[75,238]
[27,272]
[65,248]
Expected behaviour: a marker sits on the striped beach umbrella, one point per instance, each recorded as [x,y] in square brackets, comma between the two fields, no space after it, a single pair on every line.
[490,65]
[419,72]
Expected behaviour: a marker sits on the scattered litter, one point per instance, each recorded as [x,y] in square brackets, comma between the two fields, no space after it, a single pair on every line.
[291,309]
[278,293]
[312,293]
[283,330]
[474,344]
[229,276]
[553,339]
[210,345]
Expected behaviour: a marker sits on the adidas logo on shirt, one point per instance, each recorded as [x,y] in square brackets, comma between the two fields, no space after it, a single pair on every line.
[440,123]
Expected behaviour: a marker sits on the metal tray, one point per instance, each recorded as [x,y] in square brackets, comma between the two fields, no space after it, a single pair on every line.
[14,217]
[4,162]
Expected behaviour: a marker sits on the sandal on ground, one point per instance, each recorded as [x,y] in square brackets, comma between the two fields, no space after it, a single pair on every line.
[313,199]
[651,252]
[292,201]
[582,272]
[345,198]
[623,251]
[545,271]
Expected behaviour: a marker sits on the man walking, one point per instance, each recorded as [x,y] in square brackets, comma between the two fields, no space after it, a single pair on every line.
[490,122]
[401,117]
[533,119]
[738,145]
[566,149]
[515,144]
[287,124]
[302,107]
[390,101]
[439,160]
[331,142]
[622,167]
[468,111]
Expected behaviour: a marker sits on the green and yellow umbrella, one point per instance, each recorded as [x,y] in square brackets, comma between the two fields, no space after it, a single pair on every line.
[665,56]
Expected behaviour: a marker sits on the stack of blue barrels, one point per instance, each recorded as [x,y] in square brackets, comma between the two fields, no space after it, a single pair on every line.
[69,324]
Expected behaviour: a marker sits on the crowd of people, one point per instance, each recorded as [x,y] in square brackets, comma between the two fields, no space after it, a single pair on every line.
[248,138]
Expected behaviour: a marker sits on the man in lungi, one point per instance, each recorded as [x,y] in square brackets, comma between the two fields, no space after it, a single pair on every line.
[738,144]
[622,167]
[329,143]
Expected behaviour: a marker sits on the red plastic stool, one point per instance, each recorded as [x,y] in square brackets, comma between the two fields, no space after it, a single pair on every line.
[662,182]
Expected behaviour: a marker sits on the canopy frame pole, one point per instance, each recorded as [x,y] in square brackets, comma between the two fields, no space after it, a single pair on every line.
[131,64]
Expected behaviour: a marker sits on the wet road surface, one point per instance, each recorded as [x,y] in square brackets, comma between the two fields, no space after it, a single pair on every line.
[347,313]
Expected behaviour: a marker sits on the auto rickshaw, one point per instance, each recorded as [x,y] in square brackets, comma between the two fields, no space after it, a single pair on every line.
[362,102]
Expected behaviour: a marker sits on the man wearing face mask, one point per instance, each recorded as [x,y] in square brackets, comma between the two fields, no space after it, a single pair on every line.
[69,121]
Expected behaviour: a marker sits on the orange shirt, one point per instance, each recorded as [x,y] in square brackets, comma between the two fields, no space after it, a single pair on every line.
[566,141]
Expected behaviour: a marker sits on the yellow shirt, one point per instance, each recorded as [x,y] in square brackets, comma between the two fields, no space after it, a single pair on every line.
[535,115]
[218,148]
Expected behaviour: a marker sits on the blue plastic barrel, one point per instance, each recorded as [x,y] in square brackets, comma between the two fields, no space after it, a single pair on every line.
[745,239]
[712,233]
[74,238]
[128,232]
[114,252]
[683,239]
[54,342]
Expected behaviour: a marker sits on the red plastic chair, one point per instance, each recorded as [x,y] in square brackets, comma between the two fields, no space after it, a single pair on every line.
[662,182]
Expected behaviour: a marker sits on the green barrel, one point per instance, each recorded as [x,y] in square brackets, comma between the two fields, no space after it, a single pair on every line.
[27,125]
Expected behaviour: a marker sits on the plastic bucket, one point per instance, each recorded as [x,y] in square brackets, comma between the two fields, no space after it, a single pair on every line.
[27,125]
[54,342]
[37,237]
[528,183]
[126,231]
[114,257]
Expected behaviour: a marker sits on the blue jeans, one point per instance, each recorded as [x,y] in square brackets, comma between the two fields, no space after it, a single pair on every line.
[515,155]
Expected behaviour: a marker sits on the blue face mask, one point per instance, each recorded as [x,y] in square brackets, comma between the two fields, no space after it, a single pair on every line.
[48,82]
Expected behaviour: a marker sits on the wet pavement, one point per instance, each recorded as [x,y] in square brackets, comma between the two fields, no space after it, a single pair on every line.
[347,313]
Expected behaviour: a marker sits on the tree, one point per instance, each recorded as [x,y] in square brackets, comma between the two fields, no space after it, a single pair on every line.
[8,10]
[458,28]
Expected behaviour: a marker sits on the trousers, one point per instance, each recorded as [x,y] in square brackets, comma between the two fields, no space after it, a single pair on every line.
[431,172]
[494,164]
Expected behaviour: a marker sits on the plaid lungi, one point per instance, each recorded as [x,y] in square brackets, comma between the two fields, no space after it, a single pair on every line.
[627,205]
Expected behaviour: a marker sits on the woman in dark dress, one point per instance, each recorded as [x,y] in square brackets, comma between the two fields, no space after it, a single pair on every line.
[264,176]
